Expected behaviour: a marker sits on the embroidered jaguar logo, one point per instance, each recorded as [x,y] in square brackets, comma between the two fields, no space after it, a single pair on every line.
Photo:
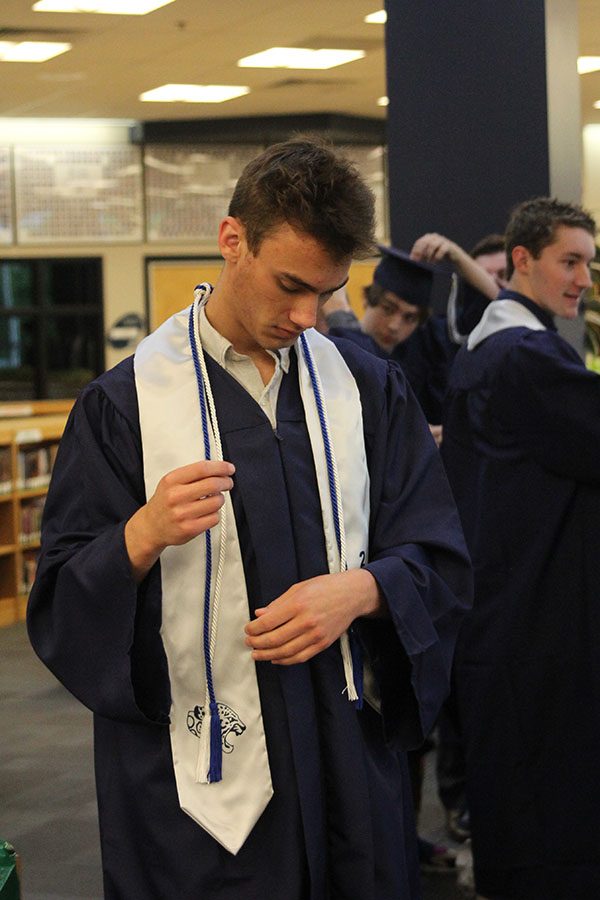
[230,723]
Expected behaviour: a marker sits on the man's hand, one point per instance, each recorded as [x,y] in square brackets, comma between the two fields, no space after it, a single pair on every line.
[433,247]
[311,615]
[186,503]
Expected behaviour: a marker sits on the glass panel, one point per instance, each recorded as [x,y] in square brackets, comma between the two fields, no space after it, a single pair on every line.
[16,285]
[73,352]
[17,355]
[72,282]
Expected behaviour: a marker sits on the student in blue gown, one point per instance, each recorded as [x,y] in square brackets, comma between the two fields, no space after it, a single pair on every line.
[114,601]
[521,439]
[398,322]
[427,357]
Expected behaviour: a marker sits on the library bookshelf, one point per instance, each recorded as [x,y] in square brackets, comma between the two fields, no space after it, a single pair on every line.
[29,436]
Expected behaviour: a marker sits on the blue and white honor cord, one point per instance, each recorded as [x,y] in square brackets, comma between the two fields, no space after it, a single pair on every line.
[210,756]
[352,667]
[209,767]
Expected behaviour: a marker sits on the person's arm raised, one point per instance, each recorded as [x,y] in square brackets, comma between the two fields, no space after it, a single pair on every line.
[434,247]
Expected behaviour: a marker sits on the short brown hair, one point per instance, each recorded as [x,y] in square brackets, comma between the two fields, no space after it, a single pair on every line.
[491,243]
[533,225]
[307,184]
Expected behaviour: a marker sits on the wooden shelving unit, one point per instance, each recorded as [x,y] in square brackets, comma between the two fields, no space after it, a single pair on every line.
[29,435]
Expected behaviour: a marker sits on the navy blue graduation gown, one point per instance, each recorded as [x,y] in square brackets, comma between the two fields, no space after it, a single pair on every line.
[426,358]
[521,441]
[340,822]
[357,336]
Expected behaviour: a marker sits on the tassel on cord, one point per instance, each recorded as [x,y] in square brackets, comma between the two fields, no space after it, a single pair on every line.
[349,667]
[357,667]
[203,761]
[351,655]
[209,767]
[216,748]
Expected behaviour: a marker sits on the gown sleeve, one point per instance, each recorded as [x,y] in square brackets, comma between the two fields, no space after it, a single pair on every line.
[85,608]
[420,562]
[546,398]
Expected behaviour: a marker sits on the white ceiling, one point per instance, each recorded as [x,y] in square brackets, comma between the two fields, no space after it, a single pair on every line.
[115,58]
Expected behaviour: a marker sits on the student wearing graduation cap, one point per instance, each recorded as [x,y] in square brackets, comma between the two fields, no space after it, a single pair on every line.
[252,571]
[396,303]
[397,324]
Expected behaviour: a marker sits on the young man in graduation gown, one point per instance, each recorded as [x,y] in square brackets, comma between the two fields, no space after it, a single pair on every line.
[253,573]
[521,439]
[397,311]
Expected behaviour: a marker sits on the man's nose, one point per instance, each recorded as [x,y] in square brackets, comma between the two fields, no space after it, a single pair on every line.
[584,277]
[304,311]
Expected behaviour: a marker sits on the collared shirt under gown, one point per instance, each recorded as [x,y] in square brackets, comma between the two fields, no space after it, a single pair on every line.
[521,448]
[339,826]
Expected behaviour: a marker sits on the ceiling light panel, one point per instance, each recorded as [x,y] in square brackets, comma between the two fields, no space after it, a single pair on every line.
[299,58]
[31,51]
[194,93]
[114,7]
[587,64]
[376,18]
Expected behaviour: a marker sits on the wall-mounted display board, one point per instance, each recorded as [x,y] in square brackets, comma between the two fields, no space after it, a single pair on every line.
[6,228]
[188,188]
[78,194]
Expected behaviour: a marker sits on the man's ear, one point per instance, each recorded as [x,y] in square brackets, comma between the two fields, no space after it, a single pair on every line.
[521,257]
[231,239]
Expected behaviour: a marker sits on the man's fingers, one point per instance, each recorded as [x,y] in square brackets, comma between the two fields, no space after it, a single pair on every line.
[204,468]
[181,494]
[277,636]
[298,650]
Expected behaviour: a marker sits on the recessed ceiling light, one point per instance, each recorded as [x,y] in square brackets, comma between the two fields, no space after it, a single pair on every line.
[299,58]
[194,93]
[115,7]
[587,64]
[31,51]
[383,101]
[597,104]
[376,18]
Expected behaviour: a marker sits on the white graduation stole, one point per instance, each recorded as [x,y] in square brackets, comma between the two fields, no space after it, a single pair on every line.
[171,431]
[501,314]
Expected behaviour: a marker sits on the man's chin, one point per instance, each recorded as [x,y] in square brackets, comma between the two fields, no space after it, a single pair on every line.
[280,337]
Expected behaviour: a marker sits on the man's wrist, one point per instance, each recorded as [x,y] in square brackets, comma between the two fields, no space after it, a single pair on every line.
[141,549]
[367,593]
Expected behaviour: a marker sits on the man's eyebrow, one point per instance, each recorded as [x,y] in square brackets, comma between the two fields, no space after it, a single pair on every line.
[310,287]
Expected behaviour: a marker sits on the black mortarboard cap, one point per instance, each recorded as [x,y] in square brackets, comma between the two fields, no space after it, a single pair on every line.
[409,279]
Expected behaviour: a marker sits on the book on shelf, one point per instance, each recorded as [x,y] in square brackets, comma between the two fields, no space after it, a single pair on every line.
[6,483]
[31,520]
[29,567]
[34,466]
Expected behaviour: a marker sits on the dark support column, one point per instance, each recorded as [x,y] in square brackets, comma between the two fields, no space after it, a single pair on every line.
[483,112]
